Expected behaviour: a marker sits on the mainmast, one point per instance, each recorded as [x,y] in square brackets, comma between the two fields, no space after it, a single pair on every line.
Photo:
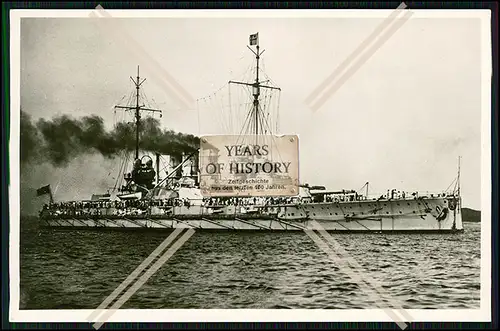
[138,82]
[256,85]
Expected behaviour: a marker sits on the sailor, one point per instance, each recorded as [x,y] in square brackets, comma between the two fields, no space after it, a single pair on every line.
[148,175]
[392,193]
[136,172]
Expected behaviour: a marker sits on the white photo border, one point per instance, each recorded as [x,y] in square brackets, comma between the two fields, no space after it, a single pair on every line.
[483,314]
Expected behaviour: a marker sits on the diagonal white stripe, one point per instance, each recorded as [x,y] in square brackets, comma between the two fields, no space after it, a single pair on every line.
[362,60]
[166,80]
[378,30]
[134,274]
[355,276]
[144,278]
[357,266]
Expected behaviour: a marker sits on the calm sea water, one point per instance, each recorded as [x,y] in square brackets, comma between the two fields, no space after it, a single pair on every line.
[64,269]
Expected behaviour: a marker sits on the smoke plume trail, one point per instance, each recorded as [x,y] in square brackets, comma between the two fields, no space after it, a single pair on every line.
[30,140]
[63,138]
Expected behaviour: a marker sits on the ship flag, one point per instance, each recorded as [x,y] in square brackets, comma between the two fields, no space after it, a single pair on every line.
[254,39]
[45,190]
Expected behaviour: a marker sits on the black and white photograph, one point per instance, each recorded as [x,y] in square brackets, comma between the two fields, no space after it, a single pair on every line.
[357,185]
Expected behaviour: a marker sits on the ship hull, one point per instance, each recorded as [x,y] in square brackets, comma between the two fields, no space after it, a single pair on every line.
[405,215]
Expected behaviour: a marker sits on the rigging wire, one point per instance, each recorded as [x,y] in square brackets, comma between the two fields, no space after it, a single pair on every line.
[220,104]
[198,115]
[278,112]
[246,120]
[119,170]
[455,181]
[362,187]
[127,160]
[230,109]
[228,112]
[274,141]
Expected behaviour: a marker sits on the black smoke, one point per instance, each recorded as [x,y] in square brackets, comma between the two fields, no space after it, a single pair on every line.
[30,140]
[63,138]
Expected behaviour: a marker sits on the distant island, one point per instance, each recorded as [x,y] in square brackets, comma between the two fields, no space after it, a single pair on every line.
[471,215]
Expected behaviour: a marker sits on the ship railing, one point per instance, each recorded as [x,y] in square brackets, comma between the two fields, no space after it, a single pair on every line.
[125,208]
[335,197]
[410,195]
[108,208]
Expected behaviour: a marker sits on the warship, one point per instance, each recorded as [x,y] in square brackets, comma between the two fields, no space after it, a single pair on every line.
[147,200]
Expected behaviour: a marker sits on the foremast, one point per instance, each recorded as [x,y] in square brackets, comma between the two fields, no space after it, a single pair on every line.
[138,108]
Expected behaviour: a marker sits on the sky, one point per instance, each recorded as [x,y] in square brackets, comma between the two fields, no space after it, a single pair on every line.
[400,121]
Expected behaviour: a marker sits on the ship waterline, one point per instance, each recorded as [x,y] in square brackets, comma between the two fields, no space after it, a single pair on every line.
[440,214]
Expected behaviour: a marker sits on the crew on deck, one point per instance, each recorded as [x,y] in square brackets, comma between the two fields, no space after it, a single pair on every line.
[148,175]
[137,171]
[143,176]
